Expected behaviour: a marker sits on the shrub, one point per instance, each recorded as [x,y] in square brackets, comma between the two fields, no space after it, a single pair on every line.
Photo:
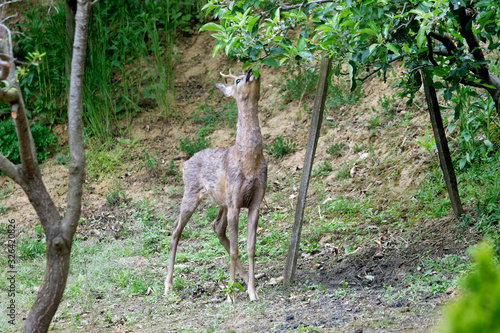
[42,136]
[478,309]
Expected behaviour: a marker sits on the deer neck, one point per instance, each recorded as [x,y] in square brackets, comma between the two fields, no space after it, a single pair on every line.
[248,136]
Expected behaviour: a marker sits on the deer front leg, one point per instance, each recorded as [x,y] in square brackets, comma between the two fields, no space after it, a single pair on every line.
[232,217]
[188,206]
[253,220]
[220,226]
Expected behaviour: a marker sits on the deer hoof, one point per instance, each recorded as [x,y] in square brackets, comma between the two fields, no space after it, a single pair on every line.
[231,299]
[253,297]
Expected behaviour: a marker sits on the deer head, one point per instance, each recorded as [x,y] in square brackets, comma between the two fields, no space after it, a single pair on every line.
[246,87]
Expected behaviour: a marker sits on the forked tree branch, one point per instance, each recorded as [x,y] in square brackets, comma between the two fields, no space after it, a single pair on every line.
[446,40]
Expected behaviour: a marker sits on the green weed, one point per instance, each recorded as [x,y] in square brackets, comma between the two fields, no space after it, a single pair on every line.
[31,245]
[344,171]
[62,159]
[209,117]
[323,169]
[101,163]
[192,147]
[335,149]
[115,195]
[297,86]
[437,275]
[339,95]
[281,147]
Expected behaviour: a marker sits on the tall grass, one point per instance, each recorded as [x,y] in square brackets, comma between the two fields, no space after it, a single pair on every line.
[129,56]
[43,82]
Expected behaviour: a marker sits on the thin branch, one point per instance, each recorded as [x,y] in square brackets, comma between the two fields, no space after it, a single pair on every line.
[10,16]
[290,6]
[380,68]
[26,146]
[9,2]
[420,67]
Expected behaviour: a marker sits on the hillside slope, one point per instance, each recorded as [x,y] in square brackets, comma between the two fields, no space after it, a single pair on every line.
[373,255]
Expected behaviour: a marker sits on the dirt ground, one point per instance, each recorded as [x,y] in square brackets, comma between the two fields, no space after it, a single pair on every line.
[336,290]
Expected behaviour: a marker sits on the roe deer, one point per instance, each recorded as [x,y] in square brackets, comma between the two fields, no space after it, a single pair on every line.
[232,178]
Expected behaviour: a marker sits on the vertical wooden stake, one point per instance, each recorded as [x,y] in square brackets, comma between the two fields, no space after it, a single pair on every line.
[442,144]
[317,117]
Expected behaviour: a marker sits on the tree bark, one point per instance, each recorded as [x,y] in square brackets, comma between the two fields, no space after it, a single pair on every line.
[58,231]
[70,37]
[493,82]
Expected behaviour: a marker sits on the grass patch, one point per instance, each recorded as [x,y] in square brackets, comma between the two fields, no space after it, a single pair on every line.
[281,147]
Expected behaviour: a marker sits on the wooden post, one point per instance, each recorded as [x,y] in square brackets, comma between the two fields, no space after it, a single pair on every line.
[317,117]
[442,143]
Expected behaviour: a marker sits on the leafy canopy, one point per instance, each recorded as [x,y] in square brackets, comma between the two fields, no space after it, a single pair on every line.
[364,34]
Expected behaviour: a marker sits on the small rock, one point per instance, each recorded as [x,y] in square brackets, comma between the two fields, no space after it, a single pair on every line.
[290,317]
[274,281]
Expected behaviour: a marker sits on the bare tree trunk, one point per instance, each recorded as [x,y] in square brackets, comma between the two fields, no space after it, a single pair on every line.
[59,231]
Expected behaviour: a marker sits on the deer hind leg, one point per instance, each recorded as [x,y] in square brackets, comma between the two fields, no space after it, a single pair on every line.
[232,220]
[252,222]
[220,226]
[189,204]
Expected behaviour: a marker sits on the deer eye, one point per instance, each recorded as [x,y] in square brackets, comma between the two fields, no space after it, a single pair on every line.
[238,81]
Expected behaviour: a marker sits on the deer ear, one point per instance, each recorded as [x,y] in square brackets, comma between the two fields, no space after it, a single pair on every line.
[227,89]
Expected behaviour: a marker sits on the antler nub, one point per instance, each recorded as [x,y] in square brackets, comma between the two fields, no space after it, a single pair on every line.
[230,75]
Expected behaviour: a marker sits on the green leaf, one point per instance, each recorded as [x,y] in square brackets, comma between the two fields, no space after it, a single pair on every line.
[212,27]
[489,86]
[392,48]
[372,47]
[246,65]
[270,62]
[274,50]
[466,135]
[255,71]
[252,21]
[301,44]
[306,55]
[421,38]
[451,127]
[217,47]
[353,71]
[368,31]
